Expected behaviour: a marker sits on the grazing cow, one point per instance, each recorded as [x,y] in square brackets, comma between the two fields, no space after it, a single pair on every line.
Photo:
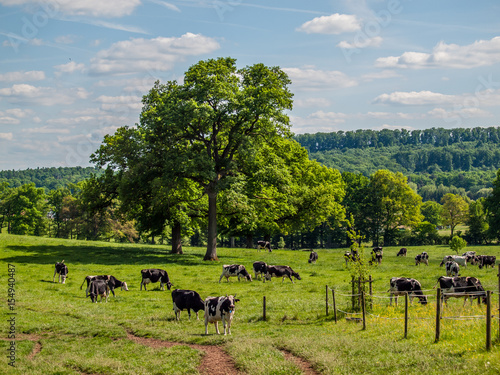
[113,283]
[153,275]
[259,268]
[452,268]
[187,299]
[313,257]
[281,271]
[422,258]
[487,260]
[464,286]
[235,270]
[403,285]
[264,245]
[62,271]
[461,260]
[469,254]
[220,309]
[402,252]
[377,254]
[352,256]
[98,288]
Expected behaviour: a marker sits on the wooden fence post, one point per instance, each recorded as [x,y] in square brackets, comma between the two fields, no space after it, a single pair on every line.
[364,309]
[264,309]
[438,315]
[353,296]
[488,320]
[406,315]
[359,292]
[334,306]
[371,292]
[326,299]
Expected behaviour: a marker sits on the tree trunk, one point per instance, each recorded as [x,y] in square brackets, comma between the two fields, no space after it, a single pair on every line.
[176,238]
[231,242]
[211,253]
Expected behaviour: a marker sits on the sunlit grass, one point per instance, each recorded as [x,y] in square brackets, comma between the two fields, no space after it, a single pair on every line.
[80,337]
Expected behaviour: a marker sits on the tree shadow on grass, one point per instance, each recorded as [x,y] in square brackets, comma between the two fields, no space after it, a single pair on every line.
[111,255]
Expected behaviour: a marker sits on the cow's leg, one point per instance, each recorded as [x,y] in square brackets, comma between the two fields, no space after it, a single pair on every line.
[161,285]
[220,278]
[217,327]
[189,313]
[54,278]
[197,317]
[112,291]
[206,326]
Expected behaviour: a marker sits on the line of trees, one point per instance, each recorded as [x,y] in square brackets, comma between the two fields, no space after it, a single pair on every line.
[436,137]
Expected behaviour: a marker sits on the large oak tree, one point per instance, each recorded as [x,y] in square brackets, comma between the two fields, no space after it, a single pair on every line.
[194,130]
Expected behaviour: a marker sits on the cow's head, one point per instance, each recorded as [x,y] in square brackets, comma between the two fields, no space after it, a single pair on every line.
[296,275]
[124,286]
[169,285]
[229,304]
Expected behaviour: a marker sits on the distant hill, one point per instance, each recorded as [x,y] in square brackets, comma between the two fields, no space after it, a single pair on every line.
[464,160]
[48,178]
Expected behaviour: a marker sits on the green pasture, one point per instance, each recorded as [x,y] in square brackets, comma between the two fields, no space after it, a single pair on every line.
[71,335]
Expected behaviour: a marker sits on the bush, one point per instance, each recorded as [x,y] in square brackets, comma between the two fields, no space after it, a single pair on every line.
[457,243]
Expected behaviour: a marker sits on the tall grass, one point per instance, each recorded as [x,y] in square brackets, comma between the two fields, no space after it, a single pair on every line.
[77,336]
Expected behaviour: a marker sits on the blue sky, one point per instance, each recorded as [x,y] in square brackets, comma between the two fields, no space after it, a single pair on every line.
[72,71]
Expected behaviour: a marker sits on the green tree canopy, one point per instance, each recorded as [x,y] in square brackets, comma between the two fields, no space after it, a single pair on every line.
[455,211]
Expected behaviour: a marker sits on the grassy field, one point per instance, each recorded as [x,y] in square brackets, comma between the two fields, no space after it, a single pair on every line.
[70,335]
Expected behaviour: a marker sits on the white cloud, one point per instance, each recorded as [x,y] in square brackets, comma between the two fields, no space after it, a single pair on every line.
[95,8]
[479,53]
[32,75]
[65,39]
[6,136]
[314,79]
[45,130]
[333,24]
[70,67]
[143,55]
[166,5]
[384,74]
[9,120]
[120,103]
[312,102]
[47,96]
[414,98]
[368,42]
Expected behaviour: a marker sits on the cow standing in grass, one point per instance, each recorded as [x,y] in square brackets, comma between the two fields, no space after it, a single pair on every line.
[399,286]
[220,309]
[186,300]
[62,271]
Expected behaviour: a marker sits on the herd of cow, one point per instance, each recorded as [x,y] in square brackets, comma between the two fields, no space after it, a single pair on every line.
[222,308]
[452,285]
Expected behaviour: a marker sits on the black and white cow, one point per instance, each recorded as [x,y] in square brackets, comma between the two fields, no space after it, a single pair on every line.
[313,257]
[153,275]
[487,260]
[463,286]
[234,270]
[62,271]
[377,254]
[220,309]
[281,271]
[402,252]
[452,268]
[264,245]
[259,268]
[461,260]
[422,258]
[98,288]
[187,300]
[112,281]
[403,285]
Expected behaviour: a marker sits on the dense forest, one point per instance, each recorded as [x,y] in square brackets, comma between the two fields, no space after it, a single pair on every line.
[437,160]
[47,178]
